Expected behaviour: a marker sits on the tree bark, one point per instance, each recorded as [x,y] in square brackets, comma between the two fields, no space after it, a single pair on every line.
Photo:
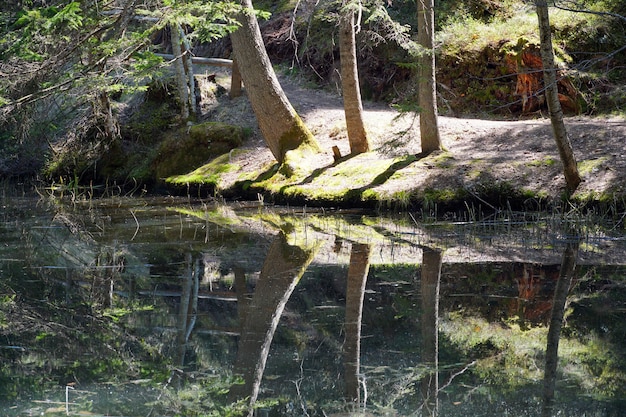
[570,168]
[352,104]
[179,66]
[102,109]
[188,65]
[279,123]
[427,92]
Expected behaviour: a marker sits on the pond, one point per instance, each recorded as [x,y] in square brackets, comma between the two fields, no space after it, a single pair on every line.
[173,307]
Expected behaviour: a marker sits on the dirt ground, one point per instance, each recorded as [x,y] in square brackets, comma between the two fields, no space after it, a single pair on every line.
[480,153]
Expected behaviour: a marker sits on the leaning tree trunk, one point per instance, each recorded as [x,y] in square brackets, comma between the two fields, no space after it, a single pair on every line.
[352,104]
[279,123]
[572,178]
[429,129]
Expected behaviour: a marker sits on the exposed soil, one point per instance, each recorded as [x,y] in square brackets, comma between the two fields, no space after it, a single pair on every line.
[489,160]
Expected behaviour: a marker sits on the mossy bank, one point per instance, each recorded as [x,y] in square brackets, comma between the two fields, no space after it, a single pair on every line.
[487,165]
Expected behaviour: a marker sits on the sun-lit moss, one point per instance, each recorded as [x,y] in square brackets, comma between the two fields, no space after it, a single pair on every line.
[546,161]
[587,166]
[207,174]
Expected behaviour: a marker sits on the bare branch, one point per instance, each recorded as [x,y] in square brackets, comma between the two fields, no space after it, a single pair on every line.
[573,8]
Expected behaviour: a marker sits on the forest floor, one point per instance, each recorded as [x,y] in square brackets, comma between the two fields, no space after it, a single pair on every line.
[493,162]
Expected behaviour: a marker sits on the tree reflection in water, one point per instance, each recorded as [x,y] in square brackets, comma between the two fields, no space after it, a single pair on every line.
[281,271]
[568,266]
[355,293]
[430,279]
[114,313]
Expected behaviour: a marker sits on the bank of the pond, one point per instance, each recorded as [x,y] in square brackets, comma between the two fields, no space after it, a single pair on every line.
[486,163]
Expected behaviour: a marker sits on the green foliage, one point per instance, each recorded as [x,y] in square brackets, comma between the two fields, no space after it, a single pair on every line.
[382,27]
[209,20]
[69,17]
[483,10]
[66,53]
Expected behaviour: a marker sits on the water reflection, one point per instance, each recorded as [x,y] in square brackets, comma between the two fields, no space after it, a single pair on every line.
[355,294]
[556,322]
[164,308]
[430,279]
[283,267]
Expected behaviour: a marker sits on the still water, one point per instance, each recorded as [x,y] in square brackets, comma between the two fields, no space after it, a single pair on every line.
[168,307]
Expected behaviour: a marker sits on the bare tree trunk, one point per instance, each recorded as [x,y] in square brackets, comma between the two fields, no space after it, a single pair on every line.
[352,104]
[235,80]
[355,293]
[572,177]
[181,79]
[279,123]
[429,128]
[103,111]
[193,102]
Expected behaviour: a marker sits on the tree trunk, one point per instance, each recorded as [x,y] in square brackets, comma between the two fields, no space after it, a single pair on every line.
[352,105]
[572,178]
[103,111]
[279,123]
[429,129]
[181,78]
[187,60]
[355,294]
[235,80]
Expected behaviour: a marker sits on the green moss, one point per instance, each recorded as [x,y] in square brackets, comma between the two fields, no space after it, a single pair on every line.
[587,166]
[183,152]
[157,113]
[298,137]
[592,197]
[296,165]
[547,161]
[442,159]
[370,195]
[207,174]
[539,194]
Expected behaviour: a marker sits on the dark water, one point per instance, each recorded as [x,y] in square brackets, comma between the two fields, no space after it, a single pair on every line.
[163,307]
